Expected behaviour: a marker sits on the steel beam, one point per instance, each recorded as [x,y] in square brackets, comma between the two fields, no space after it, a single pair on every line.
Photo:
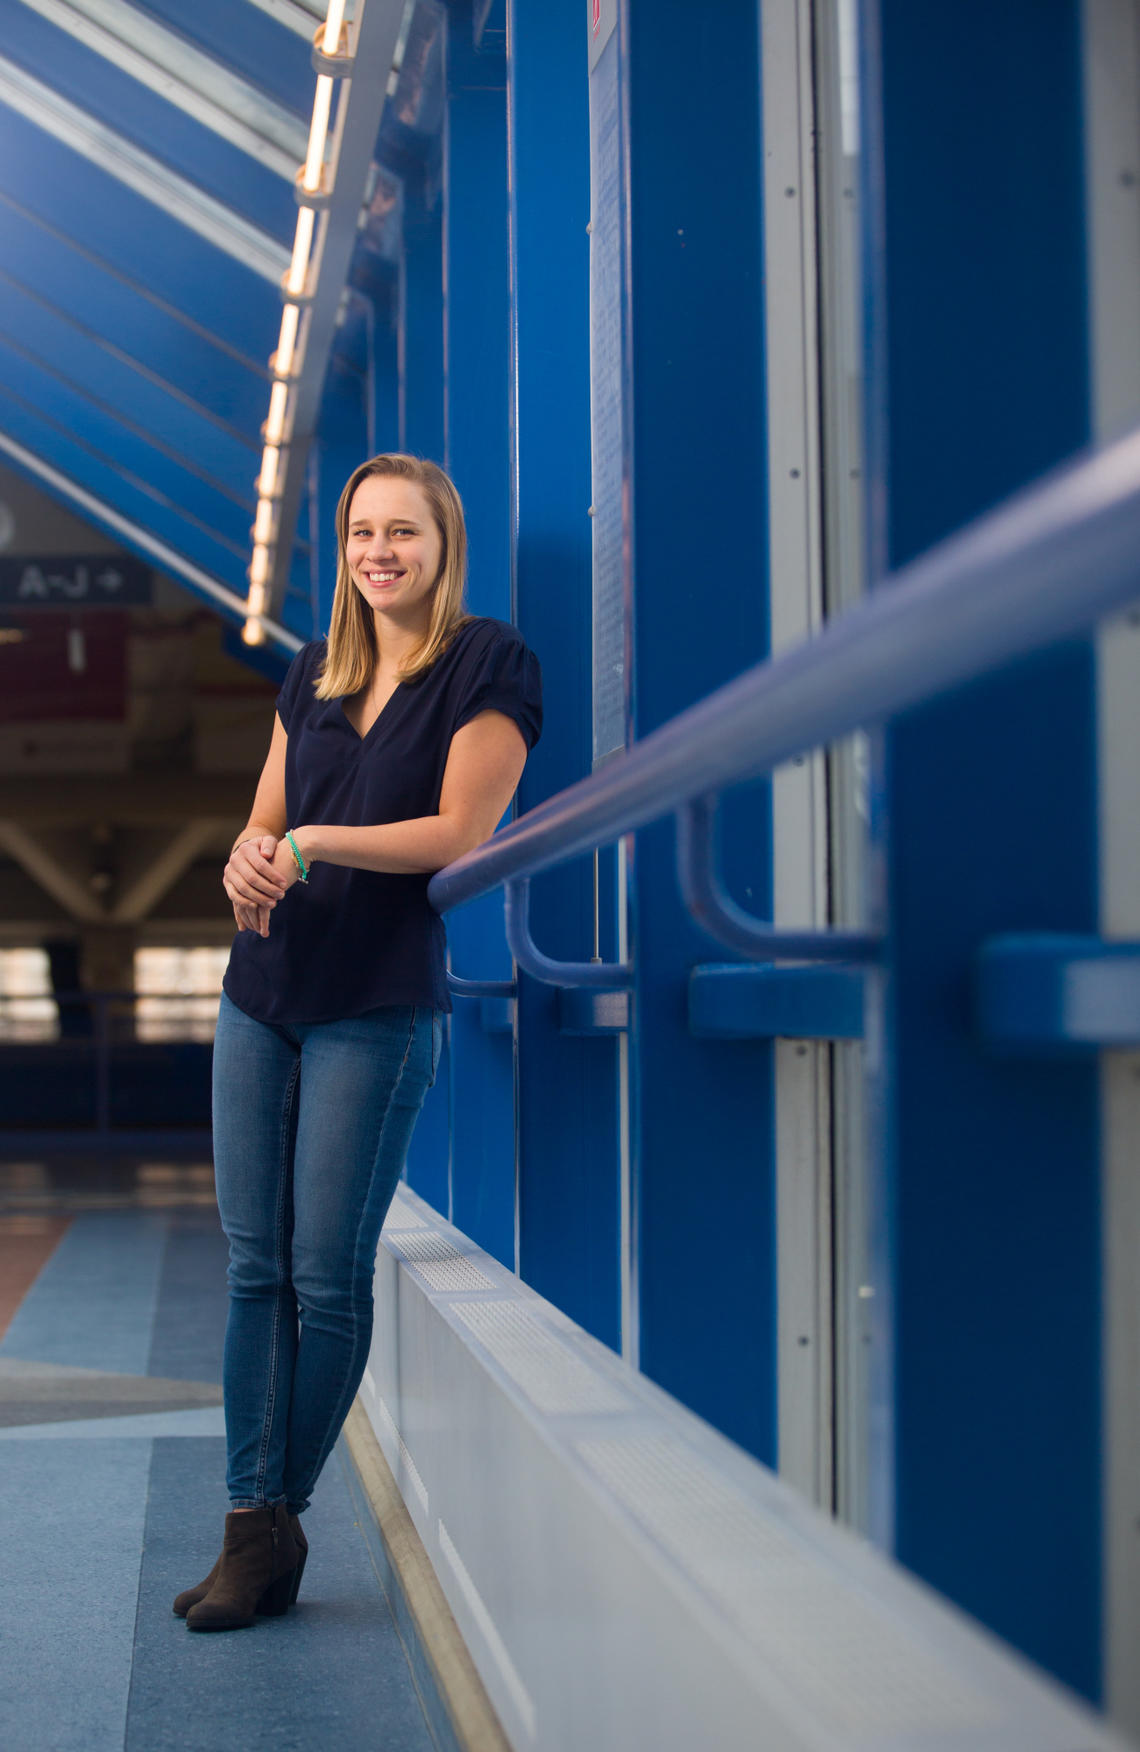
[301,16]
[128,164]
[185,76]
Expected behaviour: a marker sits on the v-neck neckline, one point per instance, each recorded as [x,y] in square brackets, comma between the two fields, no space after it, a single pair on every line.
[362,739]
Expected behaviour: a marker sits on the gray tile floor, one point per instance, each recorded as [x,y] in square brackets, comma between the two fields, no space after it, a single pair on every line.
[111,1476]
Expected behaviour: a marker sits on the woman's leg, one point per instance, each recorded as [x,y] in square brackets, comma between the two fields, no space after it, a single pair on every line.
[362,1085]
[256,1070]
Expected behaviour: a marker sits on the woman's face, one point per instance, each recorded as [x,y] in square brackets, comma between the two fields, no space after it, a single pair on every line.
[394,549]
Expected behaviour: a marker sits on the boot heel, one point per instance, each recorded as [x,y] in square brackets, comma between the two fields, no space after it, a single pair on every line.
[297,1574]
[278,1596]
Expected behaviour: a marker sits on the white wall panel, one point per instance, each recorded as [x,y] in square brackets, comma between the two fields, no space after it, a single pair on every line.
[627,1579]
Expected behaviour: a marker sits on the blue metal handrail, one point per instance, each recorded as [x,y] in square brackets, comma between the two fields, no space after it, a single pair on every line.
[1049,563]
[603,976]
[708,900]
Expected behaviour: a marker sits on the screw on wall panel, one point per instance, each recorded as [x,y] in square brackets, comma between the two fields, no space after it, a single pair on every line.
[804,1339]
[789,191]
[795,473]
[1128,178]
[801,1052]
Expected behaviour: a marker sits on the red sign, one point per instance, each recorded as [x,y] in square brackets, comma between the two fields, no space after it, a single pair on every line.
[597,16]
[55,666]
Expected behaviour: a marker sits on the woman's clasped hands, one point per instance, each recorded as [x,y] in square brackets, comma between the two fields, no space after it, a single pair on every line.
[259,872]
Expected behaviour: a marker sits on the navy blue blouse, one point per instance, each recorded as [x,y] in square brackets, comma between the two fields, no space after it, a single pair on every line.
[348,941]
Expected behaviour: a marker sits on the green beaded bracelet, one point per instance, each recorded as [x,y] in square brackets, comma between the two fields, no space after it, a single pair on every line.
[301,865]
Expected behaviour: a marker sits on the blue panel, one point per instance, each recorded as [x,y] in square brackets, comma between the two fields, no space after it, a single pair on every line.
[498,1015]
[341,445]
[1046,995]
[109,220]
[991,829]
[569,1198]
[482,1180]
[421,329]
[112,97]
[190,361]
[477,314]
[700,616]
[110,381]
[128,495]
[250,42]
[587,1013]
[94,425]
[476,404]
[383,376]
[768,1003]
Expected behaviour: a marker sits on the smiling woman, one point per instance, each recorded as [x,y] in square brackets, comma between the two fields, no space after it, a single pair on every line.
[397,745]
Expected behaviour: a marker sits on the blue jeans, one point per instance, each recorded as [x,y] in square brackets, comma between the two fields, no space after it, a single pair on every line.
[311,1126]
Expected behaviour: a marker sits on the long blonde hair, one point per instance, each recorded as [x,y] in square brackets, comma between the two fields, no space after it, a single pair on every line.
[352,652]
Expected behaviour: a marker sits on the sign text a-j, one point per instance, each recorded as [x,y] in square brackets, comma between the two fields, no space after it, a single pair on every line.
[75,581]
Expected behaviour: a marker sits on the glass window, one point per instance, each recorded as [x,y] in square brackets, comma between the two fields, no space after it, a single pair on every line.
[27,1011]
[178,991]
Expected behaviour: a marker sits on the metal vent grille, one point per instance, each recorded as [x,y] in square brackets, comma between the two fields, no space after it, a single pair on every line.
[832,1649]
[441,1265]
[551,1376]
[402,1216]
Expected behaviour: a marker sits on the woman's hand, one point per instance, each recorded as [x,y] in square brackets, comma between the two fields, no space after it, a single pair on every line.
[255,879]
[285,864]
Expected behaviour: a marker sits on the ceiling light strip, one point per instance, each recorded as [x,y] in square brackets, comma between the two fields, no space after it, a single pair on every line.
[288,360]
[318,135]
[110,152]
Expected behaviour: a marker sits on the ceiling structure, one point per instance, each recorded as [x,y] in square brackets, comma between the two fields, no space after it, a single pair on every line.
[149,162]
[150,157]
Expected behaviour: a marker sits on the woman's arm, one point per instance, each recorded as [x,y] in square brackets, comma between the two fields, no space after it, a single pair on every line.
[484,765]
[250,879]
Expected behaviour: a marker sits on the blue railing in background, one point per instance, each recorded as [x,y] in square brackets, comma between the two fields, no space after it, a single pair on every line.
[1048,564]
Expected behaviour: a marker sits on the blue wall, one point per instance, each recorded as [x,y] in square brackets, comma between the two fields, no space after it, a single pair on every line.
[990,826]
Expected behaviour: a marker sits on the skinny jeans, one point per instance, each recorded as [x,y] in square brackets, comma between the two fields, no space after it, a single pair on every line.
[312,1122]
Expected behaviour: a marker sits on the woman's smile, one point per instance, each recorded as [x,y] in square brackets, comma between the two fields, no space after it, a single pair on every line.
[393,548]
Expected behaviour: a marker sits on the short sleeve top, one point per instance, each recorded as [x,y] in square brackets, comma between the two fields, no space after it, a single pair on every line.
[348,941]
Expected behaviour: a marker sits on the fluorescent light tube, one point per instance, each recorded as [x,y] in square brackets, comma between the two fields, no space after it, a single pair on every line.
[318,134]
[302,244]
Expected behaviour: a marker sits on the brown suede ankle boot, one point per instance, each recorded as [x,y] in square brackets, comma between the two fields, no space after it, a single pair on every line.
[191,1596]
[257,1571]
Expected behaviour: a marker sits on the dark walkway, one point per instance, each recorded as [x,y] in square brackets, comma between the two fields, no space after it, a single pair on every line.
[111,1476]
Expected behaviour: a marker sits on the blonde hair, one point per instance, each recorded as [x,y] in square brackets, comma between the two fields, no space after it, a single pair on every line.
[352,653]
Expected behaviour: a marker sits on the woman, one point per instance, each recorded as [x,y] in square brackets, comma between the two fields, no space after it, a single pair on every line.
[397,746]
